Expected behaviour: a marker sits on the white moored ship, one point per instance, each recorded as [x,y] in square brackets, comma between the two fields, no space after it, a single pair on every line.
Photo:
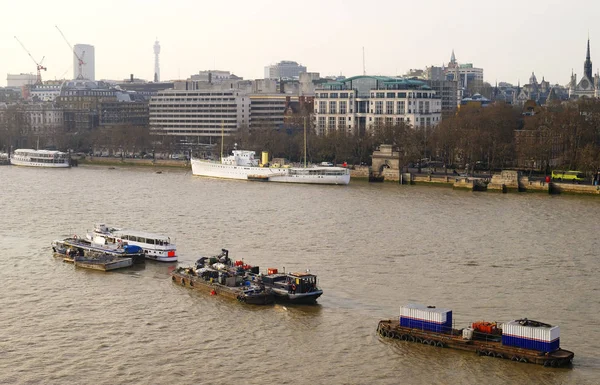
[40,158]
[156,247]
[242,165]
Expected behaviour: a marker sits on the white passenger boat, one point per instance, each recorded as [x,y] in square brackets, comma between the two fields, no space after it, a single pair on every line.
[243,165]
[40,158]
[155,246]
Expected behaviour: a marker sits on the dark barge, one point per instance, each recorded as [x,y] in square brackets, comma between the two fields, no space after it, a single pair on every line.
[527,347]
[219,276]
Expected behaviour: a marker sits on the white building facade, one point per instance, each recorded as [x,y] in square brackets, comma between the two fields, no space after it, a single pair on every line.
[362,103]
[20,80]
[198,114]
[45,92]
[44,118]
[86,53]
[285,69]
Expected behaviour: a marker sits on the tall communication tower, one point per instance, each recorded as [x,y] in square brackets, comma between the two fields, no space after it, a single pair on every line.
[156,65]
[364,68]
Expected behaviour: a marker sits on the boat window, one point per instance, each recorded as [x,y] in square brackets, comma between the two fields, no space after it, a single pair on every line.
[150,241]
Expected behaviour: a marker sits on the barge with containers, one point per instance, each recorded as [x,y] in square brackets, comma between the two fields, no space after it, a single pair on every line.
[220,276]
[519,340]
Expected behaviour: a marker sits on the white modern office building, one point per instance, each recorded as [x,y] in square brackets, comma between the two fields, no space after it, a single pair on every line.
[87,55]
[197,115]
[363,103]
[20,80]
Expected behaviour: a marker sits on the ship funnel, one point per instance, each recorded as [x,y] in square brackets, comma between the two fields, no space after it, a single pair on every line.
[265,158]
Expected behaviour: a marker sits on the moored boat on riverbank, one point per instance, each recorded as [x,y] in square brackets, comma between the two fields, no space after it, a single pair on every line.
[40,158]
[520,340]
[243,165]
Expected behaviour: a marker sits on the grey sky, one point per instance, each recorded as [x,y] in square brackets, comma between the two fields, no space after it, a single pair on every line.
[508,38]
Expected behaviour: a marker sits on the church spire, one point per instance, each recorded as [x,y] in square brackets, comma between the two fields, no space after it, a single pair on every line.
[587,66]
[452,57]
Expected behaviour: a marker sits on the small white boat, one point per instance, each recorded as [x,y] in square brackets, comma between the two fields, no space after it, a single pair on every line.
[40,158]
[156,247]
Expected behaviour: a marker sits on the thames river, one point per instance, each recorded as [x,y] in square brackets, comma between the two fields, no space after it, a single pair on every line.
[374,247]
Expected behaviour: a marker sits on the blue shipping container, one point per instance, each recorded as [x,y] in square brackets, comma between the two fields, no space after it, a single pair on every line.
[526,343]
[445,327]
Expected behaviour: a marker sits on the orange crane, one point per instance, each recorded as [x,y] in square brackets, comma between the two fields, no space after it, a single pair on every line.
[79,59]
[39,65]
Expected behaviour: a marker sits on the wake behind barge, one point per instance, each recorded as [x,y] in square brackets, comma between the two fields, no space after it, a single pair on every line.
[521,340]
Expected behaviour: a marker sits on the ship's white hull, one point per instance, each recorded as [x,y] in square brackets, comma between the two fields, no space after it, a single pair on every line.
[317,175]
[17,162]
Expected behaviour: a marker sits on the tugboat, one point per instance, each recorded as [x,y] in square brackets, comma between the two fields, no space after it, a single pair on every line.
[520,340]
[300,288]
[220,276]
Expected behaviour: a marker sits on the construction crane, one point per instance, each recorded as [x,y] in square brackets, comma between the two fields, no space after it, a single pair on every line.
[80,61]
[39,65]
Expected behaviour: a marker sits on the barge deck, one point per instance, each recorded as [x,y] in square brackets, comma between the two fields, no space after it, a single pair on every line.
[240,293]
[491,347]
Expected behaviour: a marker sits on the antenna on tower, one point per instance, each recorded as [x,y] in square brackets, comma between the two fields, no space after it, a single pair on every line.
[364,68]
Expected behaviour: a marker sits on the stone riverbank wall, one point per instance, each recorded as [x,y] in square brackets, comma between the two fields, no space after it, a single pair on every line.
[504,182]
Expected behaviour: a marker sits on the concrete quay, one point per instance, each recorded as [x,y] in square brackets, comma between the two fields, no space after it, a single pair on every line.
[507,181]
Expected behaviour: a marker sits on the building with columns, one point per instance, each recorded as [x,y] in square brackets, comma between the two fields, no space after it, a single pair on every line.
[362,103]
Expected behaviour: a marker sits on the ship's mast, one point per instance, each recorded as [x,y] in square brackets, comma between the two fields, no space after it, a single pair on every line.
[305,142]
[222,137]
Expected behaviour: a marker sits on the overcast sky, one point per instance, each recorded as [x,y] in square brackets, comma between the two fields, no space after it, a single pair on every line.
[508,39]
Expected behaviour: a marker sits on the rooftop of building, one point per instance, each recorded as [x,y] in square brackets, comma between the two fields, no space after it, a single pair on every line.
[385,81]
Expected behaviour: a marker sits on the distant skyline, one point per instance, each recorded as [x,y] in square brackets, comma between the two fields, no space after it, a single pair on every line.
[508,39]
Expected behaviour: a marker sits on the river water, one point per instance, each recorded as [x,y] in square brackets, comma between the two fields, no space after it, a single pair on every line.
[374,247]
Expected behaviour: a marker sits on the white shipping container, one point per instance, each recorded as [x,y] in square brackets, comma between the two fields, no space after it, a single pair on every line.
[539,333]
[422,312]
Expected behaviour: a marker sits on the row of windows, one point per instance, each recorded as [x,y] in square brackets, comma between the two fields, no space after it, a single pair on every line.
[335,95]
[193,113]
[90,93]
[190,121]
[199,130]
[381,95]
[193,106]
[197,94]
[159,99]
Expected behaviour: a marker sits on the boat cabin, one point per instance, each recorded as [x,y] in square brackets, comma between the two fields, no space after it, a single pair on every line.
[297,282]
[304,282]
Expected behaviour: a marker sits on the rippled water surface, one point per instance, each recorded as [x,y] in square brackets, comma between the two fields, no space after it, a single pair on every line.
[374,247]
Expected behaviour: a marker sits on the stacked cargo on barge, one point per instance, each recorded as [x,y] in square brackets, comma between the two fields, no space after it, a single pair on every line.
[220,276]
[427,318]
[529,334]
[520,340]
